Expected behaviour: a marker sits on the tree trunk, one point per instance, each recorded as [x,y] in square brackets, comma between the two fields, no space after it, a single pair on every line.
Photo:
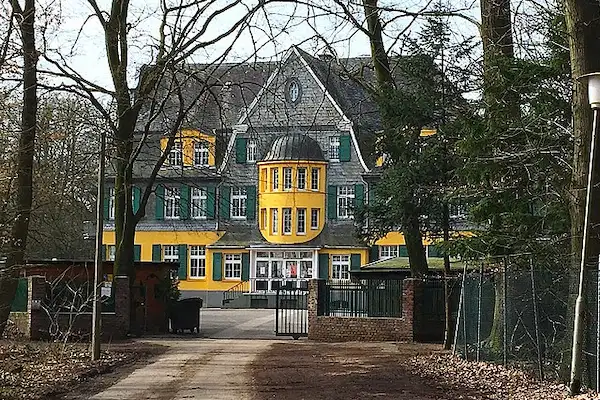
[502,110]
[20,229]
[448,331]
[583,31]
[385,82]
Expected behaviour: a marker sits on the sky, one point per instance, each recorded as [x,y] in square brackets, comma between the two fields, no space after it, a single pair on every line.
[74,37]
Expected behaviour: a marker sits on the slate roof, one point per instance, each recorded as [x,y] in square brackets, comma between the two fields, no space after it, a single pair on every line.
[295,147]
[243,236]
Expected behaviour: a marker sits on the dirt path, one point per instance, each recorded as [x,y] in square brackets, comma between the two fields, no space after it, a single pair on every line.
[194,369]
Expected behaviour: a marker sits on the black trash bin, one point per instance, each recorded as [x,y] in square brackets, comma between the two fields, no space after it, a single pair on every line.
[185,314]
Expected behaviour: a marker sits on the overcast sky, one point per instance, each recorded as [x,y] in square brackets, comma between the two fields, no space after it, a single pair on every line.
[77,36]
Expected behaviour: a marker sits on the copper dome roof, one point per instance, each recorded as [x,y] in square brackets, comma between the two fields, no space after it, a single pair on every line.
[295,147]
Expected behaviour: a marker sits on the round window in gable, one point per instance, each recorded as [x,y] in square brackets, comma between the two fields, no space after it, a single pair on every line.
[293,91]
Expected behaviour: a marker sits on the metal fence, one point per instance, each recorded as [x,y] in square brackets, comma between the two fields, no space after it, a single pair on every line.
[514,311]
[363,298]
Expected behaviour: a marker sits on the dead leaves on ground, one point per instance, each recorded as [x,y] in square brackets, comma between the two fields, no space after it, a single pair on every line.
[36,370]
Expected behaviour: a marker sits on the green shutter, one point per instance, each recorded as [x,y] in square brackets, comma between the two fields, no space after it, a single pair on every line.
[225,192]
[332,202]
[359,195]
[103,252]
[156,253]
[374,253]
[217,267]
[137,192]
[246,266]
[137,252]
[106,203]
[323,266]
[434,251]
[355,262]
[211,194]
[160,202]
[251,203]
[240,150]
[184,202]
[182,271]
[403,252]
[345,148]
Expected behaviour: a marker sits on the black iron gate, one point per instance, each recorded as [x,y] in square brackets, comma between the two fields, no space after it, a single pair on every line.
[291,312]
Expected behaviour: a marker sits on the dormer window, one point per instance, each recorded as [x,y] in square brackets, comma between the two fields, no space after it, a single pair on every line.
[201,153]
[251,151]
[334,148]
[175,156]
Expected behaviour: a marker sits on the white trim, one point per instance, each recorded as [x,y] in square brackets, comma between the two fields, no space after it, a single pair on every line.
[336,106]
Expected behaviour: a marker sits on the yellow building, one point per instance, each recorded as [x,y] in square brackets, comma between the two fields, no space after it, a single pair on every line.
[259,189]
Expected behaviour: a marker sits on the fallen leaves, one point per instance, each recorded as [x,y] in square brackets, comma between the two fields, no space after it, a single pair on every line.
[36,370]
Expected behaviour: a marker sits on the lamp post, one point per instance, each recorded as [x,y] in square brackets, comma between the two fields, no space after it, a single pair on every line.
[593,83]
[96,310]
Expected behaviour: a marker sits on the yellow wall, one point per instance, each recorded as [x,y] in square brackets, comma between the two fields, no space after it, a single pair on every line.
[147,238]
[188,137]
[293,198]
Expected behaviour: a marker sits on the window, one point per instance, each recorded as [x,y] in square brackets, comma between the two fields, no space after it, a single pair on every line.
[171,253]
[345,200]
[287,221]
[172,198]
[301,178]
[175,156]
[251,151]
[238,203]
[388,251]
[197,262]
[314,179]
[233,266]
[263,218]
[334,148]
[274,221]
[340,265]
[198,203]
[201,153]
[111,203]
[287,179]
[301,221]
[314,218]
[275,178]
[112,252]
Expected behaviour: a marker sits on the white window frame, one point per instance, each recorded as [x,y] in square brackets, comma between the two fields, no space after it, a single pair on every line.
[197,262]
[301,178]
[275,221]
[111,203]
[334,148]
[251,146]
[340,267]
[172,201]
[286,221]
[314,212]
[170,253]
[201,153]
[112,252]
[198,200]
[275,179]
[233,266]
[388,251]
[314,183]
[239,200]
[175,157]
[287,178]
[345,200]
[301,221]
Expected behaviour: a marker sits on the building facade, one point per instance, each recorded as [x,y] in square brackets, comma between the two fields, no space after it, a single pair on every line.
[259,188]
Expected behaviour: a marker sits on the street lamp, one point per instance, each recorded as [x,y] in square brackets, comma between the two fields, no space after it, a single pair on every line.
[593,83]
